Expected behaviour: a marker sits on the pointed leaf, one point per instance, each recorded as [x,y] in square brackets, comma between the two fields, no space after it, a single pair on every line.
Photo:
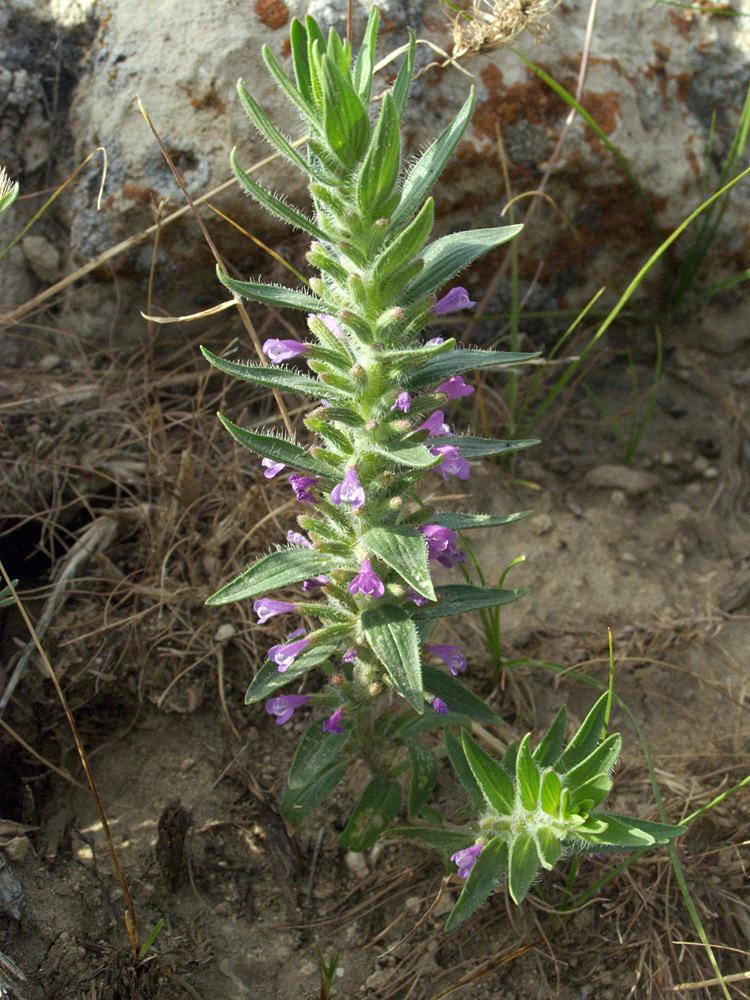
[427,169]
[400,90]
[405,452]
[461,360]
[661,832]
[488,869]
[549,749]
[405,551]
[378,172]
[274,377]
[365,62]
[587,737]
[423,778]
[278,569]
[297,804]
[465,522]
[617,833]
[298,44]
[549,848]
[585,797]
[550,793]
[272,295]
[373,813]
[445,841]
[460,598]
[473,447]
[433,720]
[273,204]
[508,760]
[457,697]
[345,120]
[496,786]
[527,776]
[464,773]
[523,864]
[269,678]
[446,257]
[307,110]
[601,761]
[316,752]
[276,448]
[269,131]
[392,636]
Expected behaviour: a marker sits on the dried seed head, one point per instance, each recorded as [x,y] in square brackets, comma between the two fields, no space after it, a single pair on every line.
[487,25]
[6,184]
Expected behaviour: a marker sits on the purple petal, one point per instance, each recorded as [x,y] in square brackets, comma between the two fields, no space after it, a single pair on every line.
[367,582]
[457,298]
[272,468]
[435,426]
[452,656]
[349,656]
[403,402]
[285,653]
[281,350]
[294,538]
[453,464]
[266,608]
[349,491]
[333,326]
[284,705]
[439,705]
[333,725]
[455,387]
[465,859]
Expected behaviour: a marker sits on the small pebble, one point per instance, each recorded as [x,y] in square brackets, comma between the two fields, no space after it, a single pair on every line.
[355,862]
[541,524]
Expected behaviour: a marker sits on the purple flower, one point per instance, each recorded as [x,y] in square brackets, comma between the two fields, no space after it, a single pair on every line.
[418,599]
[403,402]
[455,387]
[441,545]
[284,706]
[367,582]
[349,656]
[457,298]
[465,859]
[434,425]
[349,491]
[285,653]
[436,340]
[453,464]
[301,486]
[333,725]
[281,350]
[450,655]
[266,608]
[294,538]
[330,322]
[272,468]
[315,581]
[439,705]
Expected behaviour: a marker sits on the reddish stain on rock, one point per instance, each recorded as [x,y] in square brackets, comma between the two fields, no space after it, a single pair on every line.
[603,108]
[273,13]
[530,102]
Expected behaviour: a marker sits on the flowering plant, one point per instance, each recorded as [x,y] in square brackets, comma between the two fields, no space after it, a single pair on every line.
[363,556]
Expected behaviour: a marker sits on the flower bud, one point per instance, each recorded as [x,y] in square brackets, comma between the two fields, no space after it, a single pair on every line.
[396,503]
[374,689]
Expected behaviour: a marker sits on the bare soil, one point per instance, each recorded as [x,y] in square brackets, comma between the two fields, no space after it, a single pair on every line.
[129,457]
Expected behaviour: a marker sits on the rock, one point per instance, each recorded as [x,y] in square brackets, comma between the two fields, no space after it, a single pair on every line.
[621,477]
[42,258]
[542,524]
[355,862]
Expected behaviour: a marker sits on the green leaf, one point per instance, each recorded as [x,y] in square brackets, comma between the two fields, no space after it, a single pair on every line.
[465,522]
[6,597]
[316,752]
[587,737]
[462,360]
[404,452]
[297,804]
[414,357]
[549,849]
[523,864]
[661,832]
[550,793]
[345,120]
[278,569]
[496,786]
[617,833]
[458,698]
[423,778]
[405,551]
[400,90]
[445,841]
[375,810]
[307,110]
[298,43]
[378,172]
[276,448]
[269,131]
[273,377]
[392,636]
[527,776]
[433,720]
[464,773]
[407,244]
[488,869]
[272,295]
[273,204]
[583,798]
[473,447]
[269,678]
[601,761]
[444,258]
[427,169]
[363,66]
[460,598]
[549,749]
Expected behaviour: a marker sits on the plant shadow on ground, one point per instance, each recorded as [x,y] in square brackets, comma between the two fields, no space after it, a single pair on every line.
[657,551]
